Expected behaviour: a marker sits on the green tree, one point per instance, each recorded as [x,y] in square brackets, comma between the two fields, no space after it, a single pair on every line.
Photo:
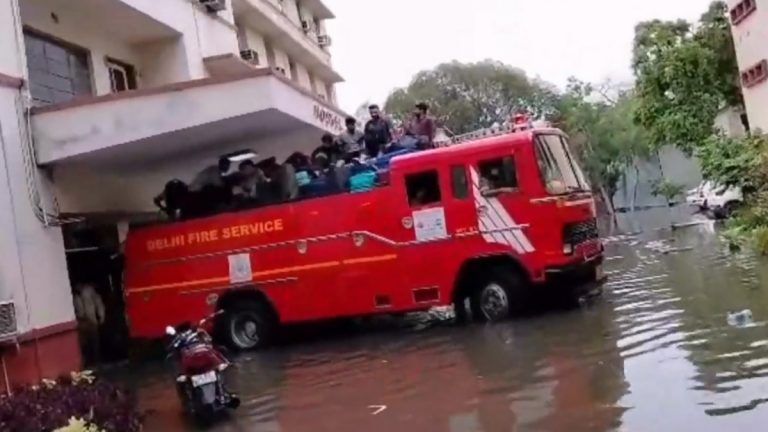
[606,140]
[471,96]
[685,75]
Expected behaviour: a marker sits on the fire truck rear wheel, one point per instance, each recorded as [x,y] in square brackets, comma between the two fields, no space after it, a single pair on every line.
[247,325]
[497,296]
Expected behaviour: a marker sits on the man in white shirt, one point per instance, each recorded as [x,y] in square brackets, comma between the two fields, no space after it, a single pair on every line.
[90,313]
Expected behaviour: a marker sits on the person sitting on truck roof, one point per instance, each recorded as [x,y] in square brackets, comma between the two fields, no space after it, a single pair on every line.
[351,140]
[251,182]
[213,175]
[330,148]
[173,199]
[422,126]
[377,132]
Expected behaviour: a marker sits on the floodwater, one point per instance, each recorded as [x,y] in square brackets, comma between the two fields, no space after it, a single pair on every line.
[654,353]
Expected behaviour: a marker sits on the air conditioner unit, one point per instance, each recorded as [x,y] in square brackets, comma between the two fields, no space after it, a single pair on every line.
[305,26]
[324,40]
[214,5]
[8,327]
[249,55]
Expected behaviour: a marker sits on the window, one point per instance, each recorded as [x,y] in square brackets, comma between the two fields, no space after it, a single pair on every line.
[742,10]
[58,72]
[122,76]
[560,172]
[755,75]
[294,70]
[498,174]
[423,188]
[459,182]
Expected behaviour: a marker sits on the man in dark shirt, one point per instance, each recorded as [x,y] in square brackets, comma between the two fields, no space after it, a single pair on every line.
[422,126]
[378,132]
[328,147]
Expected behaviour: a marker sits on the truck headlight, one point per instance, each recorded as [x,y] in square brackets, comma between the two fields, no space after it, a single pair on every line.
[568,249]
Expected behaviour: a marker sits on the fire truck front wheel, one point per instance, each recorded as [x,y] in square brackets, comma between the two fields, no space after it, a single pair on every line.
[497,296]
[247,325]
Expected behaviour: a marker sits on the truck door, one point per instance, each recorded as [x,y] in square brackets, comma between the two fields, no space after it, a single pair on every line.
[424,231]
[500,202]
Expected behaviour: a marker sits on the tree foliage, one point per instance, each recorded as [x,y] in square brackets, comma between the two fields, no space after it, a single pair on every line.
[739,162]
[685,75]
[599,122]
[471,96]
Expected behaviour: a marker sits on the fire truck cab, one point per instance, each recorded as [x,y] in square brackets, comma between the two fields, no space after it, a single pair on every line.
[493,220]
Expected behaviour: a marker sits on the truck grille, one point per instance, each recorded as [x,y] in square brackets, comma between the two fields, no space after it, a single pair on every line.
[578,233]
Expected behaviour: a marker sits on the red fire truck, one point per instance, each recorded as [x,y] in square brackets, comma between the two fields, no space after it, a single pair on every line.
[493,219]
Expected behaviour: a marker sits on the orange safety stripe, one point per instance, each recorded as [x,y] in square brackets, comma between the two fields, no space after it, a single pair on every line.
[316,266]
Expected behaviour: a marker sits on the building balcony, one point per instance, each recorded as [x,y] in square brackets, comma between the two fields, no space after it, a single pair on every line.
[125,21]
[318,8]
[209,116]
[72,49]
[283,32]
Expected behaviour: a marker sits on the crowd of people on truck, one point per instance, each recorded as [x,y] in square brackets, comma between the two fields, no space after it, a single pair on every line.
[352,161]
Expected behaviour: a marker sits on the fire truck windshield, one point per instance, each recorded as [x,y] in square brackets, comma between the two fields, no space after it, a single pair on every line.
[560,172]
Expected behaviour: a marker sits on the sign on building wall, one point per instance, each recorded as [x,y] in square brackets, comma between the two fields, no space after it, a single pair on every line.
[328,119]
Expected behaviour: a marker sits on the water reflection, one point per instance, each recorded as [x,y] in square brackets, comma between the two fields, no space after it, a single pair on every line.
[655,353]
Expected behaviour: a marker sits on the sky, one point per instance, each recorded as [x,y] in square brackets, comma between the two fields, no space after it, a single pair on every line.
[378,45]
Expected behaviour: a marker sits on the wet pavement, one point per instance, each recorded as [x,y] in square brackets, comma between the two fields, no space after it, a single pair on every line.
[654,353]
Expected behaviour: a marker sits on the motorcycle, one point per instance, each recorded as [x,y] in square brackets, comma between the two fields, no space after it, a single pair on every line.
[200,380]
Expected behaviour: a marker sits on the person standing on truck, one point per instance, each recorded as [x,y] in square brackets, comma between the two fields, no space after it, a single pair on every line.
[351,140]
[211,187]
[422,126]
[378,132]
[211,176]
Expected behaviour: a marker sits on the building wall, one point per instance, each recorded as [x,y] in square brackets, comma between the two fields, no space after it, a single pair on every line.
[303,77]
[25,244]
[751,41]
[251,39]
[291,11]
[320,88]
[73,29]
[670,164]
[280,59]
[198,34]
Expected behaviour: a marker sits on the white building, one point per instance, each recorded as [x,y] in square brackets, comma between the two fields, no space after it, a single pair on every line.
[103,101]
[749,23]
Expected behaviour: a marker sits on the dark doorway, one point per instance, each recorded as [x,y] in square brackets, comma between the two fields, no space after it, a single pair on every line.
[94,258]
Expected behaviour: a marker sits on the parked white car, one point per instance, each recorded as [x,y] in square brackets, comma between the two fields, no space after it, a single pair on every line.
[722,200]
[698,196]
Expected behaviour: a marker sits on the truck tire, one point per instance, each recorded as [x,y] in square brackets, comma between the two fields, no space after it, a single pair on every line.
[247,325]
[499,295]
